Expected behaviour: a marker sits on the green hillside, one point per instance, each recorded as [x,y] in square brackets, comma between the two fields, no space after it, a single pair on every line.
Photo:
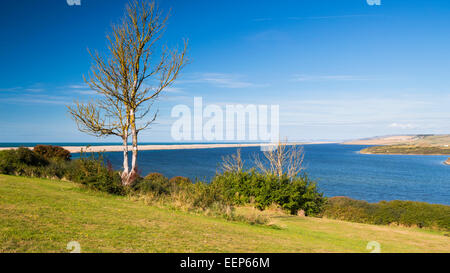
[38,215]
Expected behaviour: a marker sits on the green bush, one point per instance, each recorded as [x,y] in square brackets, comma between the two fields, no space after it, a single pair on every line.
[156,176]
[407,213]
[92,172]
[21,161]
[153,182]
[179,183]
[50,152]
[205,196]
[180,180]
[56,169]
[28,157]
[181,192]
[295,194]
[89,171]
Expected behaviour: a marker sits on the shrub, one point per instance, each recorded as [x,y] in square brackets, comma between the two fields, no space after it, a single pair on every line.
[345,208]
[156,176]
[407,213]
[291,194]
[21,161]
[56,169]
[182,193]
[180,180]
[7,160]
[280,181]
[93,173]
[50,152]
[178,183]
[28,157]
[205,196]
[154,182]
[200,196]
[90,171]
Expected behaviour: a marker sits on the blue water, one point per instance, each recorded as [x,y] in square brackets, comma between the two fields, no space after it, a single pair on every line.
[338,169]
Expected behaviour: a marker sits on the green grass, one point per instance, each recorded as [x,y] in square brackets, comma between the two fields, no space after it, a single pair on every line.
[407,149]
[38,215]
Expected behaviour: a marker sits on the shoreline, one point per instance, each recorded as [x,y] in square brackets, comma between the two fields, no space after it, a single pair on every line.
[155,147]
[406,150]
[382,141]
[369,153]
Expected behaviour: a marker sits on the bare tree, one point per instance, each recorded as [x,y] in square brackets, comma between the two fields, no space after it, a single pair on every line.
[108,115]
[104,118]
[233,163]
[144,25]
[285,159]
[130,79]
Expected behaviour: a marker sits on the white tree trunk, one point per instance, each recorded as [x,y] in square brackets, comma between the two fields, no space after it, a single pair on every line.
[133,173]
[125,172]
[135,152]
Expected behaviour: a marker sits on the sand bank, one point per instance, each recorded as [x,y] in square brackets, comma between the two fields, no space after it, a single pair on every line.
[118,148]
[391,140]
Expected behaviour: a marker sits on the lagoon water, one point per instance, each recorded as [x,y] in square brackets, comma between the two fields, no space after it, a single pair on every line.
[338,169]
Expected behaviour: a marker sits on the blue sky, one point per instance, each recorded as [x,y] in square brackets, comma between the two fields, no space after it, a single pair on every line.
[338,69]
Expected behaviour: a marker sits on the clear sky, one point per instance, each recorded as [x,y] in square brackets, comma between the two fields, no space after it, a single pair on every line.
[339,69]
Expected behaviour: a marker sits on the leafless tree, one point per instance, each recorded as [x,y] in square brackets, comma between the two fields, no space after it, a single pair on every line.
[284,159]
[104,117]
[133,75]
[144,24]
[233,163]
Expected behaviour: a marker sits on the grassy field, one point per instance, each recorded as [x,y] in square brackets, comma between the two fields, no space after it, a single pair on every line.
[38,215]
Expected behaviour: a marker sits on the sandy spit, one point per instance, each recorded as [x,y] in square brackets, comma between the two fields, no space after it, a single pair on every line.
[117,148]
[391,140]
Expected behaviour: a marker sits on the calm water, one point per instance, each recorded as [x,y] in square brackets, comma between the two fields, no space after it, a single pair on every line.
[338,169]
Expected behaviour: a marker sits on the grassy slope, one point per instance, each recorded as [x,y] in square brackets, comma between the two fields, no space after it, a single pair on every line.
[38,215]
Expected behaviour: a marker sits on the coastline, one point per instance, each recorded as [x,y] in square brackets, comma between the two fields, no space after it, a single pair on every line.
[391,140]
[369,153]
[406,150]
[118,148]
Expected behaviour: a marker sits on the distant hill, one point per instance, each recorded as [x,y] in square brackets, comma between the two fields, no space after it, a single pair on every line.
[407,150]
[403,145]
[415,140]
